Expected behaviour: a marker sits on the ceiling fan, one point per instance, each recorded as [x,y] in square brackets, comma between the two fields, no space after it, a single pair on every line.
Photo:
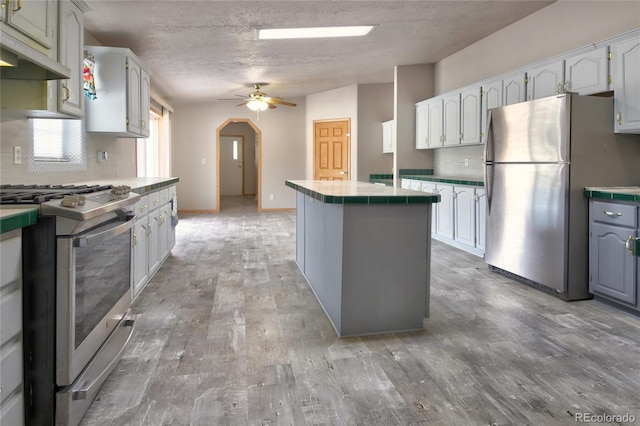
[259,101]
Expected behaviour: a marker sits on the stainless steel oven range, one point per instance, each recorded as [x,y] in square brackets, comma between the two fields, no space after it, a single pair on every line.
[88,231]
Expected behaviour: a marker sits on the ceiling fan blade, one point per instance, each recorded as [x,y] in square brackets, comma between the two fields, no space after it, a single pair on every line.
[281,102]
[244,103]
[271,106]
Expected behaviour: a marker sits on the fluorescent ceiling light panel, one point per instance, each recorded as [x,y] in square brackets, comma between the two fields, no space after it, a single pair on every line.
[314,32]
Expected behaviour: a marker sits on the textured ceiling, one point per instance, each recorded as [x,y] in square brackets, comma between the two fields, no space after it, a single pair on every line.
[204,50]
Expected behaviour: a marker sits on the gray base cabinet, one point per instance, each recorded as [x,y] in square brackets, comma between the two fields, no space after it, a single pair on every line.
[368,264]
[613,264]
[11,381]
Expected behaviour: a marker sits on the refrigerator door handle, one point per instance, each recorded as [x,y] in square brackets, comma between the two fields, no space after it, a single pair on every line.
[489,145]
[488,183]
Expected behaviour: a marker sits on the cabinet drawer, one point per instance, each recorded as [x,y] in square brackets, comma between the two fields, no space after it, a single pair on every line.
[615,213]
[142,206]
[10,369]
[10,315]
[11,259]
[154,200]
[164,196]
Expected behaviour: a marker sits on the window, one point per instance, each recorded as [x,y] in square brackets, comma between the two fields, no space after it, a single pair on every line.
[56,145]
[147,149]
[235,150]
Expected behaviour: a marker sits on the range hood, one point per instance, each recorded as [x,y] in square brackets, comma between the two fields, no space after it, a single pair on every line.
[31,64]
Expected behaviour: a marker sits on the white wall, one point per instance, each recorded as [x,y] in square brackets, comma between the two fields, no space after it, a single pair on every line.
[375,105]
[558,28]
[412,84]
[334,104]
[194,140]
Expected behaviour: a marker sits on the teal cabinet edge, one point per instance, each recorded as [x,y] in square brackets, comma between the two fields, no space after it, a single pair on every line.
[18,221]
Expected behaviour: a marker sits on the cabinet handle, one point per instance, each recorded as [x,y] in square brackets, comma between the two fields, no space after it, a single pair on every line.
[630,244]
[559,88]
[612,214]
[134,242]
[14,11]
[567,85]
[619,116]
[142,124]
[4,5]
[67,93]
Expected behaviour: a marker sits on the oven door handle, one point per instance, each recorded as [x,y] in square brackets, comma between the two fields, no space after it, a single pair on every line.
[117,228]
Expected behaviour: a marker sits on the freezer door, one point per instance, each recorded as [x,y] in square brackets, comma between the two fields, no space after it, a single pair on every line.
[526,221]
[535,131]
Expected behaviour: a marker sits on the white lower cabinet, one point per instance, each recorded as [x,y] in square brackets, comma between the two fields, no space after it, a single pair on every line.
[459,218]
[153,236]
[11,371]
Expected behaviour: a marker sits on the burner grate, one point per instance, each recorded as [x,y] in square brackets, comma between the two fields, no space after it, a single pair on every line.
[37,194]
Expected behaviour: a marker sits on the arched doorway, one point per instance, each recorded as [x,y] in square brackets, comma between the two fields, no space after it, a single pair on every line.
[240,140]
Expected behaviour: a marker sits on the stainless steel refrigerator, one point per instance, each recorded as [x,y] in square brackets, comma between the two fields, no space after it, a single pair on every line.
[539,156]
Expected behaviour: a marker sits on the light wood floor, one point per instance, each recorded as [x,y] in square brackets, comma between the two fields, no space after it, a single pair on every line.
[229,333]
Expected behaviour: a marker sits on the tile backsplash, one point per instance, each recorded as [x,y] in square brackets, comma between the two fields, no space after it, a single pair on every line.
[463,161]
[15,132]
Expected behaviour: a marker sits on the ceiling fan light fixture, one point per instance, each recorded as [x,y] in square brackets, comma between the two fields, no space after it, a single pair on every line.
[257,105]
[314,32]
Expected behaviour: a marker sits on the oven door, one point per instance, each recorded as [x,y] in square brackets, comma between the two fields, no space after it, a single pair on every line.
[93,293]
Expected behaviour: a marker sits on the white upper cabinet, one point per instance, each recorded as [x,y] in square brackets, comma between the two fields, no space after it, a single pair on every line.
[546,80]
[514,88]
[451,119]
[71,91]
[626,83]
[491,98]
[470,115]
[422,126]
[435,114]
[588,73]
[387,137]
[35,19]
[122,91]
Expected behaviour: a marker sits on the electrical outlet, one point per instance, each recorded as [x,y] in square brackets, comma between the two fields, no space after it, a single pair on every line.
[270,197]
[102,156]
[466,162]
[17,155]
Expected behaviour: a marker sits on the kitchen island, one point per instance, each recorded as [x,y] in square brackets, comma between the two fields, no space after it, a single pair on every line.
[365,251]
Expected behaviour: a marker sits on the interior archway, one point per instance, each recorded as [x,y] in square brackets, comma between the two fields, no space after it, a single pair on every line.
[258,158]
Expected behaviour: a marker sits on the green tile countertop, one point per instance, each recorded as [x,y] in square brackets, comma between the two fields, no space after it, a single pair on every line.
[447,179]
[349,192]
[12,218]
[140,186]
[619,193]
[386,182]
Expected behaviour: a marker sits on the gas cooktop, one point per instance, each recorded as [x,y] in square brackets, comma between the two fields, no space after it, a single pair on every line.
[38,194]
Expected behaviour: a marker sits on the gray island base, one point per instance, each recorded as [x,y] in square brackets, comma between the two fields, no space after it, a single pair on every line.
[365,251]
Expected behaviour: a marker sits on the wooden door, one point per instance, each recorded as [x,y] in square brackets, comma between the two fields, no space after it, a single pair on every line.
[331,150]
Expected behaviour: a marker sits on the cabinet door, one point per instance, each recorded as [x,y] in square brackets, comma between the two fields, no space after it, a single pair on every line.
[481,218]
[547,80]
[626,82]
[470,115]
[491,98]
[431,188]
[451,119]
[588,73]
[422,126]
[514,89]
[71,91]
[464,215]
[145,101]
[435,123]
[133,96]
[163,236]
[36,19]
[153,251]
[444,221]
[140,256]
[387,137]
[613,270]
